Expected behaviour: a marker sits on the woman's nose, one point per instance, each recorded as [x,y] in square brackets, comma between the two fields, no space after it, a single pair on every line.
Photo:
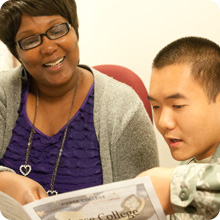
[48,46]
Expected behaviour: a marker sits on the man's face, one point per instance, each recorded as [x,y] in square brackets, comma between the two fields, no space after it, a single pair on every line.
[188,121]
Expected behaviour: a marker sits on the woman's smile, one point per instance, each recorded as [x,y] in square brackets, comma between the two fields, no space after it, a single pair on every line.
[55,63]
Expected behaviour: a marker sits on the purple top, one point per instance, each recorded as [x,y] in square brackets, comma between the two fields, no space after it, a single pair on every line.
[80,164]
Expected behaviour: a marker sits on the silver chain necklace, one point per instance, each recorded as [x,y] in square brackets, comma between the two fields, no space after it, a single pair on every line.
[26,168]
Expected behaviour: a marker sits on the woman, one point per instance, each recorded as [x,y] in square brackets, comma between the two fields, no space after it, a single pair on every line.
[63,126]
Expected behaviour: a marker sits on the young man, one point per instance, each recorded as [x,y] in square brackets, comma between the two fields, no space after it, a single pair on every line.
[185,97]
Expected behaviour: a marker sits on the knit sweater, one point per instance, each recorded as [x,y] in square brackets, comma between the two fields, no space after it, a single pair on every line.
[123,128]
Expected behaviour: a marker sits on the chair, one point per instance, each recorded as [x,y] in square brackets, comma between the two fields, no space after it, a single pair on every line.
[127,76]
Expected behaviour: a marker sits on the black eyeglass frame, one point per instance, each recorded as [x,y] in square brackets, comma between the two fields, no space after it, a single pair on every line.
[42,35]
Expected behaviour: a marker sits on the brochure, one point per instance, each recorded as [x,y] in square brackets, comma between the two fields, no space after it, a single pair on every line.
[124,200]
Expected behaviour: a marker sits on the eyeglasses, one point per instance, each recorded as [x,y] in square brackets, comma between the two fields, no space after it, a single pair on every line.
[53,33]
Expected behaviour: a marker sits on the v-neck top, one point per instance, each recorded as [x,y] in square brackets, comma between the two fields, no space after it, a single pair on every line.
[80,164]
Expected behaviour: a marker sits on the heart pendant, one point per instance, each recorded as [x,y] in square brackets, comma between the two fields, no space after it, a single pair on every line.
[25,169]
[52,192]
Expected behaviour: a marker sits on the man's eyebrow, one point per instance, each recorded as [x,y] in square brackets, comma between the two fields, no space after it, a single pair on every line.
[176,96]
[173,96]
[151,98]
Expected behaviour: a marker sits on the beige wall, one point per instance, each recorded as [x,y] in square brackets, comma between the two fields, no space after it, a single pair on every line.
[131,32]
[6,59]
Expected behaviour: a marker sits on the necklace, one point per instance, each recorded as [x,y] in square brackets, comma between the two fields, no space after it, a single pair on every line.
[25,169]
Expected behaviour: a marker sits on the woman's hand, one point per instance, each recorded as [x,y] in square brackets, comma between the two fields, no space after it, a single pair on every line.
[161,180]
[22,189]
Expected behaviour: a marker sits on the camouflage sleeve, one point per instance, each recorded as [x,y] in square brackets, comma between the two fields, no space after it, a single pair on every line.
[195,189]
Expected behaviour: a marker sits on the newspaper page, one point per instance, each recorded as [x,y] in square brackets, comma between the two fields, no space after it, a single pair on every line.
[10,209]
[130,199]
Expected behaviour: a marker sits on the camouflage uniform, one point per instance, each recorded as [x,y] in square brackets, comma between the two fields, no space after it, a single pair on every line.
[195,189]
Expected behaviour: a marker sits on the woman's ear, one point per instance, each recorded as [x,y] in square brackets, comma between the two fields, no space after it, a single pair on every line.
[16,62]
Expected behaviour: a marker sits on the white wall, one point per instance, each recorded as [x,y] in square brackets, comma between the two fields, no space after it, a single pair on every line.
[6,58]
[131,32]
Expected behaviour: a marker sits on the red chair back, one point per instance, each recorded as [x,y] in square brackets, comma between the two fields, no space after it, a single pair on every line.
[127,76]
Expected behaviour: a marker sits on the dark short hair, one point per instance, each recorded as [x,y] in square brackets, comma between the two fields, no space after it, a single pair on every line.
[201,54]
[12,10]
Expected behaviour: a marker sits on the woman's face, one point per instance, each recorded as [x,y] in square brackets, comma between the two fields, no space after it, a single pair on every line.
[54,62]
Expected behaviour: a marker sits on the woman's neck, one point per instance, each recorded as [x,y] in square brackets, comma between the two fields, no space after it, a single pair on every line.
[54,93]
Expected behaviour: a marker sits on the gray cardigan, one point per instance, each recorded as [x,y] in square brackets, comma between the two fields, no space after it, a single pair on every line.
[123,128]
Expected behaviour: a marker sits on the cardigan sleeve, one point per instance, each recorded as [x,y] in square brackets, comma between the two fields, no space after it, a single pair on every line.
[2,126]
[10,97]
[3,116]
[124,130]
[135,149]
[10,90]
